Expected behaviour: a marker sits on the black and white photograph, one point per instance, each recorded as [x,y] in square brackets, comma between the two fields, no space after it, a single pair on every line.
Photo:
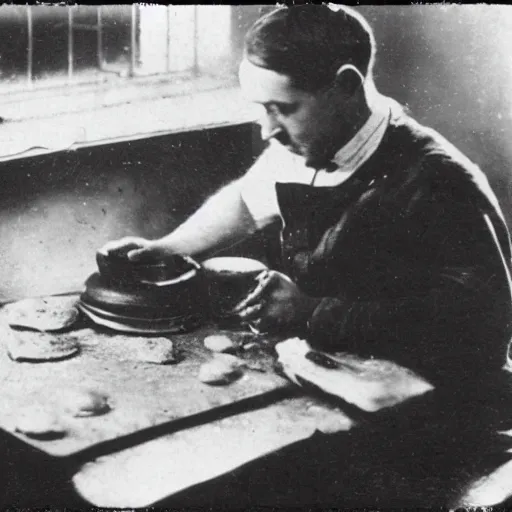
[255,257]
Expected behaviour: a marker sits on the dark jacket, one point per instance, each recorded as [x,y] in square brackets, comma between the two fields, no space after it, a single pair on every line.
[411,256]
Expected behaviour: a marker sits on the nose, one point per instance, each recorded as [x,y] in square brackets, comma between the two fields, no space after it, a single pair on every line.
[269,127]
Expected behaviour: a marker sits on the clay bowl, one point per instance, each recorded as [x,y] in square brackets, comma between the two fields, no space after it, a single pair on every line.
[119,269]
[229,280]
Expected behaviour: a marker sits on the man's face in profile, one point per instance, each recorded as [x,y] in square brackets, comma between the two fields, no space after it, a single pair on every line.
[302,121]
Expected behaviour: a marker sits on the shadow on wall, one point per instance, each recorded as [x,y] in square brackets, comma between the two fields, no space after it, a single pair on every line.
[450,64]
[55,211]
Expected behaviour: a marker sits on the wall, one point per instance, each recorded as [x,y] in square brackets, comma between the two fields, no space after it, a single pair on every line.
[55,211]
[450,64]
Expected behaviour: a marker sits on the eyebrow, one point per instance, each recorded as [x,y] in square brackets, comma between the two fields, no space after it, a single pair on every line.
[279,104]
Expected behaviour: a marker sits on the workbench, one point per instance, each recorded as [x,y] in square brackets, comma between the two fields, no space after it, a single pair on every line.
[262,440]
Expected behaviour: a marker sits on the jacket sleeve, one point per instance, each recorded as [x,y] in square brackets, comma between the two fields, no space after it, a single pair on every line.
[450,301]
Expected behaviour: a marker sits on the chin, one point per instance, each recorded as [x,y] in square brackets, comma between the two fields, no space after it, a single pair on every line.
[315,160]
[317,163]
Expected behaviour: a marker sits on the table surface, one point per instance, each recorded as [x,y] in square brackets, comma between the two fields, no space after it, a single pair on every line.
[142,395]
[229,427]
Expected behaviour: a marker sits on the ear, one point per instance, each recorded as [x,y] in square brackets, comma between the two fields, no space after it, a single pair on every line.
[348,80]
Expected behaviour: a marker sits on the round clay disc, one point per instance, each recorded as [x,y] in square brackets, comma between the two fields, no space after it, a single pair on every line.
[39,423]
[155,350]
[39,346]
[43,314]
[219,343]
[223,369]
[83,402]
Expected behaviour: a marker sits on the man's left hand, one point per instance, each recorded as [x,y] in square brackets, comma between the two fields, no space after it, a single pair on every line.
[276,304]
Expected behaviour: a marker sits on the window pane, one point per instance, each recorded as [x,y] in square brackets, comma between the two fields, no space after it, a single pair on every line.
[85,38]
[13,45]
[50,41]
[182,37]
[85,14]
[153,39]
[116,34]
[214,40]
[168,39]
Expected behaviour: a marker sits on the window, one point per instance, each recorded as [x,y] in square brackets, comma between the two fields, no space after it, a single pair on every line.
[45,46]
[75,48]
[98,73]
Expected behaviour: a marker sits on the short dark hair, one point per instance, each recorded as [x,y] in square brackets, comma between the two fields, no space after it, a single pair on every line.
[310,42]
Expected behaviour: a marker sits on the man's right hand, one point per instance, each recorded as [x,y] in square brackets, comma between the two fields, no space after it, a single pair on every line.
[221,221]
[136,249]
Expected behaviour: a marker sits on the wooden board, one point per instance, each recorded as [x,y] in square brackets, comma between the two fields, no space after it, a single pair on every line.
[143,395]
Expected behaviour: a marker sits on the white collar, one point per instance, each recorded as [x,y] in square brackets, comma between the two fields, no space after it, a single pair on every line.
[364,143]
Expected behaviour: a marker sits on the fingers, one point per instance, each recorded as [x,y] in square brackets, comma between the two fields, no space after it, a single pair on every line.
[256,327]
[191,261]
[263,279]
[138,254]
[123,246]
[264,324]
[116,245]
[250,312]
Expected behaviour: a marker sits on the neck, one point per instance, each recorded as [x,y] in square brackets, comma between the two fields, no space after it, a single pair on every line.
[351,121]
[356,121]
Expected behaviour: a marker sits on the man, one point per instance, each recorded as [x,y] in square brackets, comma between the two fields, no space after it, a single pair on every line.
[393,243]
